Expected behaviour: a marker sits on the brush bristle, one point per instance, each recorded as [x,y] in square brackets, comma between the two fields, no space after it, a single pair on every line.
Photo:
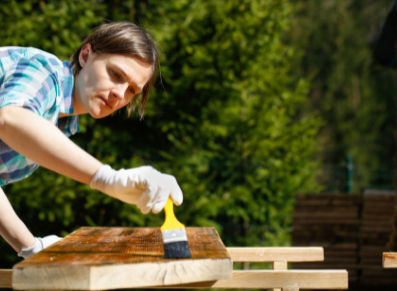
[175,243]
[178,249]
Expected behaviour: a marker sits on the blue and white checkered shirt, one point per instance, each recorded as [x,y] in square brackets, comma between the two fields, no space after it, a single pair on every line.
[40,82]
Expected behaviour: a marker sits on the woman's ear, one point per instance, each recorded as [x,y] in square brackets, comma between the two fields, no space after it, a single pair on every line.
[85,53]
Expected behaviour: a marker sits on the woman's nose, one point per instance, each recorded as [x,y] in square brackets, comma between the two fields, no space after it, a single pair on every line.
[118,91]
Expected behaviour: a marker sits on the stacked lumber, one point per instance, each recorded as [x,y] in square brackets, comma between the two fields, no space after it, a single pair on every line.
[354,231]
[330,221]
[375,231]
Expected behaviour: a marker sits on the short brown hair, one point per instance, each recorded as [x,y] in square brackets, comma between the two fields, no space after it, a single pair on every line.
[123,38]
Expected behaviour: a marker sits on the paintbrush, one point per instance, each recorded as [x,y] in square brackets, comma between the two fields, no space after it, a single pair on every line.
[174,235]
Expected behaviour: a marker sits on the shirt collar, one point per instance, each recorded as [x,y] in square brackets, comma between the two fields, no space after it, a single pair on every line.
[67,83]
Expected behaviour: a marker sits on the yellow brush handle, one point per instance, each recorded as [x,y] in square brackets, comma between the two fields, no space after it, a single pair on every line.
[170,220]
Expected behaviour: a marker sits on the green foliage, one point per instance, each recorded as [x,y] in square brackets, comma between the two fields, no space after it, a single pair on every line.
[53,26]
[225,125]
[355,99]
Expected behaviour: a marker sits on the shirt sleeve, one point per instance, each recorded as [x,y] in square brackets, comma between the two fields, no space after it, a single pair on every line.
[30,85]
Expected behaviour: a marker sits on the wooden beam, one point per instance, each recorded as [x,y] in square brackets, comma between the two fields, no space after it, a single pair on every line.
[389,260]
[280,266]
[268,279]
[276,254]
[254,279]
[5,278]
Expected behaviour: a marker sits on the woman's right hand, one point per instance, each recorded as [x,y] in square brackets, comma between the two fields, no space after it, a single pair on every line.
[144,186]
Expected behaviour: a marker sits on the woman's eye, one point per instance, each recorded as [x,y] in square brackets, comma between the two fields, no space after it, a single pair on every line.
[115,74]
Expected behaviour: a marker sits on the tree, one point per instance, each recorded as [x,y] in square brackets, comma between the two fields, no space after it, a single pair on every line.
[355,99]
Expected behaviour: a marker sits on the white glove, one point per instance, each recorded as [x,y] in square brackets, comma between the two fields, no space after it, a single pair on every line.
[39,245]
[144,186]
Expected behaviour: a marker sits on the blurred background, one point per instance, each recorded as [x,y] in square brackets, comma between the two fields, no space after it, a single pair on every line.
[258,100]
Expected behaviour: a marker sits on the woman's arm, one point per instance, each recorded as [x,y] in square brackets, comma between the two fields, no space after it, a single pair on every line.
[12,229]
[37,139]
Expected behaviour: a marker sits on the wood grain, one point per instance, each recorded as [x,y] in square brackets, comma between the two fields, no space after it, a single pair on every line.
[110,258]
[268,279]
[5,278]
[277,254]
[258,280]
[280,266]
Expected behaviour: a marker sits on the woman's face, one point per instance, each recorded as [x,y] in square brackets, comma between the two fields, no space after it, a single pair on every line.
[107,82]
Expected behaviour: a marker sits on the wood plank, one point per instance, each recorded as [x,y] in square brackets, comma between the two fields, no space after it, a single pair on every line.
[329,209]
[325,215]
[377,229]
[325,266]
[374,222]
[5,278]
[269,279]
[340,254]
[273,254]
[101,258]
[326,244]
[379,198]
[341,260]
[389,260]
[329,221]
[254,279]
[323,229]
[280,266]
[375,216]
[329,196]
[307,237]
[372,249]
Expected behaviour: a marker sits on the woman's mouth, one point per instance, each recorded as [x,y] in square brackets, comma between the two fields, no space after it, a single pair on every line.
[105,103]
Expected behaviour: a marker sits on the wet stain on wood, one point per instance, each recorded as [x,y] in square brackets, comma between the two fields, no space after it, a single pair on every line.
[100,258]
[95,246]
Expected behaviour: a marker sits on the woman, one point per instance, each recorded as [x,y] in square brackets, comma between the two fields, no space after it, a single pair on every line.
[40,101]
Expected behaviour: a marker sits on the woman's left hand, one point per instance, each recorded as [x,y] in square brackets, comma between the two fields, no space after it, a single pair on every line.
[39,245]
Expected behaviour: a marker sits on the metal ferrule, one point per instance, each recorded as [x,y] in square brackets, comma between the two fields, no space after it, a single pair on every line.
[174,235]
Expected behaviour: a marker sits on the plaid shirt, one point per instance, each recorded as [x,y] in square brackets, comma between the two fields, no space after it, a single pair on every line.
[40,82]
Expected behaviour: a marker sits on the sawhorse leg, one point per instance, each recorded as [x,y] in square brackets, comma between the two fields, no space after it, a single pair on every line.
[282,266]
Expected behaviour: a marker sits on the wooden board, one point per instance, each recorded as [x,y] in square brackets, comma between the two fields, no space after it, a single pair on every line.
[266,279]
[389,260]
[110,258]
[5,278]
[277,254]
[257,279]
